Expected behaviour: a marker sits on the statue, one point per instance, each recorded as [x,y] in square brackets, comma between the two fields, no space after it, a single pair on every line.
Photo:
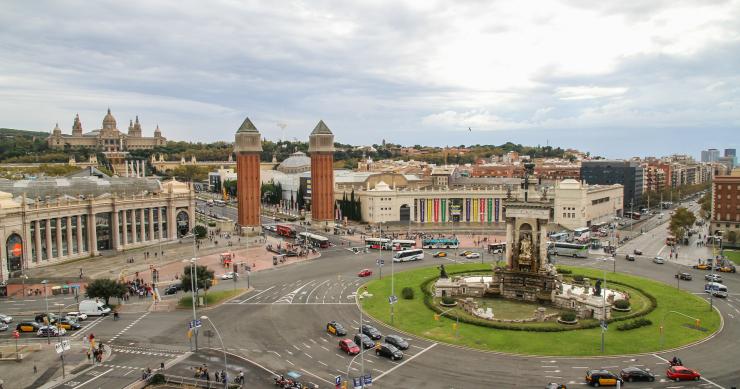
[442,271]
[525,248]
[597,288]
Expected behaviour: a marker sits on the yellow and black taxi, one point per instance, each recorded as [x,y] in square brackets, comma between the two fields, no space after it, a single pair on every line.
[334,328]
[602,378]
[27,326]
[439,254]
[68,323]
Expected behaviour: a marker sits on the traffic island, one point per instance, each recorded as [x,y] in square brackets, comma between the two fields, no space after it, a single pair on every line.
[651,302]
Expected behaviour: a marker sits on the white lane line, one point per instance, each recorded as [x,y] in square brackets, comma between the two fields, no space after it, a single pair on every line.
[308,355]
[405,362]
[317,377]
[323,364]
[93,379]
[312,341]
[290,362]
[579,367]
[274,352]
[325,348]
[314,289]
[244,301]
[307,346]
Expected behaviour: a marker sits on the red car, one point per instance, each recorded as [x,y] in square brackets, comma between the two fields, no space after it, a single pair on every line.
[365,273]
[348,346]
[679,373]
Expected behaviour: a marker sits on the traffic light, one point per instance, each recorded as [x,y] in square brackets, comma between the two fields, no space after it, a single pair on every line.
[454,326]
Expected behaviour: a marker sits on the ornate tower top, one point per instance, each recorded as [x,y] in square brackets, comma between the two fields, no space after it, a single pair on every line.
[157,132]
[247,139]
[109,122]
[56,131]
[77,126]
[321,139]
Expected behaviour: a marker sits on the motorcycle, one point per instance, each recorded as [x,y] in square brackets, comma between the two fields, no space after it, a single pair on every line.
[676,362]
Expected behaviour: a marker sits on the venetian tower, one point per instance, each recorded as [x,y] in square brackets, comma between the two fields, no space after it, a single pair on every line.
[248,147]
[321,148]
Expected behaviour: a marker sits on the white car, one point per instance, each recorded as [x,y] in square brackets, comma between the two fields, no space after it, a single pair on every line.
[228,276]
[77,316]
[5,318]
[472,256]
[659,260]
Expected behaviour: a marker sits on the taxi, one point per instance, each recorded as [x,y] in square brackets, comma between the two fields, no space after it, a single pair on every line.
[27,326]
[334,328]
[439,254]
[727,269]
[703,266]
[68,324]
[602,378]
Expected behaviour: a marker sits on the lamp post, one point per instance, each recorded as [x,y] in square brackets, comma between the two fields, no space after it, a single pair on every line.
[24,278]
[603,296]
[193,290]
[226,381]
[46,300]
[457,320]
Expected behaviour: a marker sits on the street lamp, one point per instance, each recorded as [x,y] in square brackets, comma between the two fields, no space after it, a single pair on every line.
[46,300]
[603,295]
[193,291]
[226,381]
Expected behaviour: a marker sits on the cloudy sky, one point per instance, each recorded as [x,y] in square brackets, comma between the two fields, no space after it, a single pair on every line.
[617,78]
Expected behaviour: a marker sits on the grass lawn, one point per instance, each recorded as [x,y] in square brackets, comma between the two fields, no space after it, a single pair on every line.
[212,298]
[414,317]
[733,255]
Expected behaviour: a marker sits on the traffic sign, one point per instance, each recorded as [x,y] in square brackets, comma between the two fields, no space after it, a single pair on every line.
[338,380]
[392,299]
[194,324]
[58,348]
[604,325]
[356,382]
[368,379]
[380,262]
[65,345]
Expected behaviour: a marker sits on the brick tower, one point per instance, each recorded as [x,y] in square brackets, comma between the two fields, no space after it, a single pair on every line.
[321,147]
[248,147]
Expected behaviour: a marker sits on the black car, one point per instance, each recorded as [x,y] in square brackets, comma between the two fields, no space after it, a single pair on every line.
[397,341]
[40,318]
[364,341]
[637,252]
[172,289]
[683,276]
[633,373]
[389,351]
[371,331]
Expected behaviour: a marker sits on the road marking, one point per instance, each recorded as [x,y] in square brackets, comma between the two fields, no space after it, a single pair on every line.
[244,301]
[323,364]
[274,352]
[406,361]
[290,362]
[288,298]
[314,289]
[296,347]
[93,379]
[579,367]
[308,355]
[317,377]
[547,366]
[307,346]
[325,348]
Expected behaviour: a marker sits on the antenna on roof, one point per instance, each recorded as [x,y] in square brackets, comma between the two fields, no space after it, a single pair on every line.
[282,126]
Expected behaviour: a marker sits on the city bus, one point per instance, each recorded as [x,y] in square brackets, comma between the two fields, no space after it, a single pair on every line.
[287,230]
[497,248]
[559,237]
[715,289]
[440,243]
[408,255]
[220,203]
[378,243]
[574,250]
[578,232]
[314,239]
[403,244]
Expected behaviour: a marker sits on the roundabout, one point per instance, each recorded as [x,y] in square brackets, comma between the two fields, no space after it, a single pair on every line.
[672,316]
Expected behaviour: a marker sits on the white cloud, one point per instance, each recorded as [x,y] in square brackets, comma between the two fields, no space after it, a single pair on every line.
[587,92]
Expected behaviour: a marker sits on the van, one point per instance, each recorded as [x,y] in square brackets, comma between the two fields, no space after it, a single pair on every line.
[93,308]
[715,289]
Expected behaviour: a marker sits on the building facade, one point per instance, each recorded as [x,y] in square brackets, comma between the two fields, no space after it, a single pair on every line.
[726,203]
[49,221]
[629,174]
[710,155]
[108,138]
[579,205]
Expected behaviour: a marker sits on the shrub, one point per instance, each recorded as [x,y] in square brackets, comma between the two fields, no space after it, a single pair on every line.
[407,293]
[568,316]
[211,224]
[448,300]
[631,325]
[578,278]
[157,379]
[565,271]
[200,231]
[621,304]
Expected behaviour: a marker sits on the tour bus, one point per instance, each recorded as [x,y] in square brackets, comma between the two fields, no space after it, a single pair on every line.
[440,243]
[378,243]
[578,232]
[632,215]
[497,248]
[574,250]
[403,244]
[666,204]
[408,255]
[715,289]
[287,230]
[314,239]
[220,203]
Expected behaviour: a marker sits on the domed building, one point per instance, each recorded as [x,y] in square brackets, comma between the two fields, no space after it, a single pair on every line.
[108,138]
[298,162]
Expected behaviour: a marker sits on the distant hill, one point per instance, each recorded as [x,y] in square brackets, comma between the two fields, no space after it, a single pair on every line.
[5,132]
[25,146]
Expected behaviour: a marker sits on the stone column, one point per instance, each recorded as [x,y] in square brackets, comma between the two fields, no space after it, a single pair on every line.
[543,241]
[80,246]
[60,252]
[141,226]
[151,223]
[159,221]
[172,228]
[70,252]
[37,237]
[125,168]
[143,168]
[124,227]
[92,234]
[509,242]
[114,230]
[48,239]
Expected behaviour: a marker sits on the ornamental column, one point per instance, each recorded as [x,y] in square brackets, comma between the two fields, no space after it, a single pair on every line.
[70,252]
[509,242]
[92,234]
[248,148]
[37,238]
[114,229]
[124,235]
[321,147]
[48,240]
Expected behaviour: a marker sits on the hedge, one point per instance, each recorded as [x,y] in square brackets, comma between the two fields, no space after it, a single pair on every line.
[568,316]
[429,302]
[641,322]
[622,304]
[407,293]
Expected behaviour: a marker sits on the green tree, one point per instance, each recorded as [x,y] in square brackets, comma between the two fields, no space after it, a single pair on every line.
[200,231]
[706,206]
[105,288]
[681,221]
[203,275]
[732,237]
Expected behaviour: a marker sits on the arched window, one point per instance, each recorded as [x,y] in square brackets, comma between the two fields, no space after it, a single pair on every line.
[14,251]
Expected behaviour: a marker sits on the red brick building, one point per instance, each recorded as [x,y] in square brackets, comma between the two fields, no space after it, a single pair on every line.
[726,203]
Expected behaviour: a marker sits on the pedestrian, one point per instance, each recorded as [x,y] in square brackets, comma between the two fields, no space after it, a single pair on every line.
[35,370]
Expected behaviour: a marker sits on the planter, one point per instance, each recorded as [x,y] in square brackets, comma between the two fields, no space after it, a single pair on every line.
[621,309]
[448,305]
[561,321]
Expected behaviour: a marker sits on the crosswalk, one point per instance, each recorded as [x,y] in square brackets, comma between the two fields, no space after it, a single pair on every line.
[333,291]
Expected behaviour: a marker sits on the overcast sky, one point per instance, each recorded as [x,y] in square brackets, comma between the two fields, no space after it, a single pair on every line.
[617,78]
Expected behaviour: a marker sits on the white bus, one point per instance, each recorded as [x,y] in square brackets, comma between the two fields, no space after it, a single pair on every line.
[403,244]
[497,248]
[220,203]
[575,250]
[408,255]
[314,239]
[378,243]
[578,232]
[715,289]
[559,237]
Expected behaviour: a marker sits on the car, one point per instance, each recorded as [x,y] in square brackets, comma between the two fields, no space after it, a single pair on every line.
[172,289]
[365,273]
[52,318]
[439,254]
[659,260]
[465,253]
[553,385]
[629,257]
[637,252]
[713,278]
[77,316]
[473,255]
[683,276]
[229,276]
[397,341]
[679,373]
[703,266]
[633,373]
[27,326]
[364,341]
[334,327]
[3,326]
[68,323]
[602,378]
[7,319]
[727,269]
[388,350]
[48,331]
[348,346]
[371,331]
